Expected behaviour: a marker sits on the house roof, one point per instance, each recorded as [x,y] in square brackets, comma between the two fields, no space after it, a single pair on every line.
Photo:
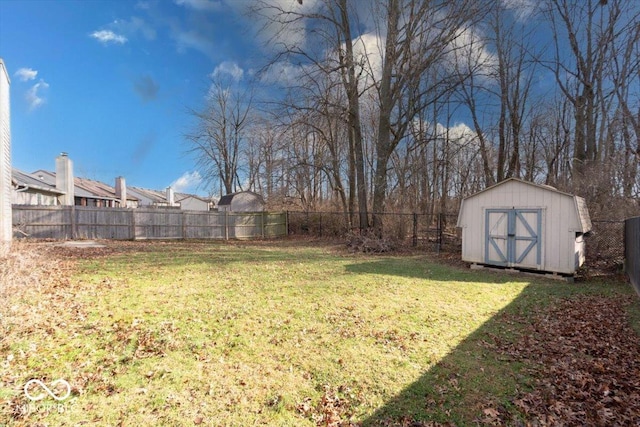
[153,195]
[24,179]
[84,187]
[181,196]
[46,181]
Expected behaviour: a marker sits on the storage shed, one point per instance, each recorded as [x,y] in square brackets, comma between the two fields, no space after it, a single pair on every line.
[523,225]
[243,201]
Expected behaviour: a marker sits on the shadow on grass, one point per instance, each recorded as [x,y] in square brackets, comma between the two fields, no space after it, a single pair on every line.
[474,384]
[428,269]
[469,380]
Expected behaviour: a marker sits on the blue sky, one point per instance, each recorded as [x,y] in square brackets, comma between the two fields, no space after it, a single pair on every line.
[110,82]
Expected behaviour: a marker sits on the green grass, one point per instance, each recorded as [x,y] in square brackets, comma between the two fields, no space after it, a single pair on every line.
[276,333]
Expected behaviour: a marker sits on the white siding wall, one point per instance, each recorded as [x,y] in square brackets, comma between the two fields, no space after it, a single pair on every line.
[5,156]
[559,222]
[35,198]
[193,204]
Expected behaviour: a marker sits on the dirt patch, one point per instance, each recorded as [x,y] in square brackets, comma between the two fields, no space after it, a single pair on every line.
[81,244]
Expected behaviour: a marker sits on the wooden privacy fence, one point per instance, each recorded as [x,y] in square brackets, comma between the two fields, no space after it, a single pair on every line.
[632,250]
[81,222]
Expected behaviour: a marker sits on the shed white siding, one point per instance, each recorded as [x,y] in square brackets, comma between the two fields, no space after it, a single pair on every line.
[562,217]
[5,156]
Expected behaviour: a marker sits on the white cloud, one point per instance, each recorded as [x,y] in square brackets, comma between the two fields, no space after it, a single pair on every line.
[522,9]
[292,28]
[192,39]
[143,5]
[458,132]
[107,36]
[34,95]
[469,53]
[284,73]
[188,182]
[26,74]
[201,5]
[367,53]
[132,26]
[228,68]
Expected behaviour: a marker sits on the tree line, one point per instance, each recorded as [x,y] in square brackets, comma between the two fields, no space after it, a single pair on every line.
[409,105]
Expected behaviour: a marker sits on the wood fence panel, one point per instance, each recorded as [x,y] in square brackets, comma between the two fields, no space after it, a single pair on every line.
[244,225]
[82,222]
[204,225]
[275,224]
[158,224]
[43,222]
[100,223]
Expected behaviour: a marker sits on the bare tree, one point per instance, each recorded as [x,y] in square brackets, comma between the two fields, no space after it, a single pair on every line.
[330,53]
[216,142]
[624,69]
[419,37]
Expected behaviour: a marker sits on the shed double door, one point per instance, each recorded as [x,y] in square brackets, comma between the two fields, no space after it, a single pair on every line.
[513,237]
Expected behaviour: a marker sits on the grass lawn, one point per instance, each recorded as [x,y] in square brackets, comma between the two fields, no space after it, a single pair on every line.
[282,333]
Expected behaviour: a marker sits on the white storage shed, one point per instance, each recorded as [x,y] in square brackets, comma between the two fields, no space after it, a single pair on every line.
[243,201]
[523,225]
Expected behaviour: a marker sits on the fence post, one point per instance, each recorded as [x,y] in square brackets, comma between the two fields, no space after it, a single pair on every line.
[226,225]
[74,223]
[286,223]
[133,223]
[183,230]
[632,251]
[415,229]
[263,223]
[439,231]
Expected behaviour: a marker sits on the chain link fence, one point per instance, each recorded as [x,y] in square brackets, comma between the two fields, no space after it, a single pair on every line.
[434,232]
[605,246]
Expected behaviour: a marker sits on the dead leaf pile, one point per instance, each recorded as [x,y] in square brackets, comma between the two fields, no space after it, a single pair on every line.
[335,408]
[587,361]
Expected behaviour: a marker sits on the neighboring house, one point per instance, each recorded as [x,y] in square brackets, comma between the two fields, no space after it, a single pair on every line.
[154,198]
[190,202]
[88,192]
[243,201]
[30,190]
[62,188]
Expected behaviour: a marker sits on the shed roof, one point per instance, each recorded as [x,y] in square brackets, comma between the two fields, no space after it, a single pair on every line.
[533,184]
[226,199]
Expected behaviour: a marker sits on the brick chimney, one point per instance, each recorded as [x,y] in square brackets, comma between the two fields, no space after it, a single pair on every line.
[121,191]
[64,179]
